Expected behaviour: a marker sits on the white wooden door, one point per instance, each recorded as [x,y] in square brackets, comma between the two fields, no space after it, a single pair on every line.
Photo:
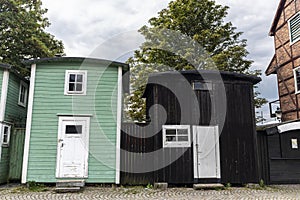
[206,152]
[72,147]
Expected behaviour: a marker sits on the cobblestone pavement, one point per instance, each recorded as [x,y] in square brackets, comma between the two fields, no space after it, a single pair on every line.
[137,193]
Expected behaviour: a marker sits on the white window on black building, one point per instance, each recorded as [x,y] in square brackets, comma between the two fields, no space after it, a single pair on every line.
[176,136]
[202,85]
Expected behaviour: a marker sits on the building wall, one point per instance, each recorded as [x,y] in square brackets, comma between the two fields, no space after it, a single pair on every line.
[1,77]
[49,100]
[4,165]
[287,58]
[14,113]
[237,140]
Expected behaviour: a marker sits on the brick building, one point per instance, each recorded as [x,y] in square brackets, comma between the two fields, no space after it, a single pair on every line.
[286,61]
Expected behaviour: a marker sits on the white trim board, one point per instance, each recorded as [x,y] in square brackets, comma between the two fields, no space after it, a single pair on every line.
[3,99]
[4,90]
[28,124]
[288,127]
[119,118]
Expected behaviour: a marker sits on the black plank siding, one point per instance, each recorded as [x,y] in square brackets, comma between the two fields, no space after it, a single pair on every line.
[179,105]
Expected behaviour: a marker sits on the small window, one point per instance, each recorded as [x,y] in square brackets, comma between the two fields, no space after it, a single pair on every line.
[294,143]
[176,136]
[5,134]
[202,85]
[294,25]
[73,129]
[75,82]
[297,79]
[23,94]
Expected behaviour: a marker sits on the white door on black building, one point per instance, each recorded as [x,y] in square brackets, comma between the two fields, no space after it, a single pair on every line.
[206,152]
[72,147]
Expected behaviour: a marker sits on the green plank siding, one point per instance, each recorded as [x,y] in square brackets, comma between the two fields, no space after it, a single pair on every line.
[14,113]
[49,100]
[4,165]
[16,154]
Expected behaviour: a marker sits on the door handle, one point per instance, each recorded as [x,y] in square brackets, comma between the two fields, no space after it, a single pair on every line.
[60,140]
[62,144]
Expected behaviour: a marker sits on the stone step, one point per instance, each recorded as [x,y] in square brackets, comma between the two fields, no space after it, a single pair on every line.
[67,189]
[70,183]
[208,186]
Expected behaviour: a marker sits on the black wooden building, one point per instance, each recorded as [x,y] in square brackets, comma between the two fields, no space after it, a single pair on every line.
[200,128]
[279,153]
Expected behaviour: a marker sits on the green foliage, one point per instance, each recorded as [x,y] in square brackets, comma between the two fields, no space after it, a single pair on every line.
[188,34]
[262,183]
[228,185]
[36,187]
[22,32]
[149,186]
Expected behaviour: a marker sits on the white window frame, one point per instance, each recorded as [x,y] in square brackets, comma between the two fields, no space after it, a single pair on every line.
[208,85]
[84,82]
[25,85]
[173,144]
[5,143]
[290,32]
[297,90]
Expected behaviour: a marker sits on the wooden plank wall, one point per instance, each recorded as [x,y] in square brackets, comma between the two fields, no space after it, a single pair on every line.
[133,140]
[16,154]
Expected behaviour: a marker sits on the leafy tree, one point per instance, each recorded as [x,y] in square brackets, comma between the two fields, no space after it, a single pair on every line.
[22,32]
[188,34]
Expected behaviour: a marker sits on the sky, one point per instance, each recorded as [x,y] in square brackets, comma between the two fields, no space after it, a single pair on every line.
[86,25]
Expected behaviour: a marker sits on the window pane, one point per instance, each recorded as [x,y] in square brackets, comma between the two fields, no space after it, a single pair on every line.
[73,129]
[182,132]
[294,143]
[5,135]
[79,78]
[78,87]
[202,85]
[183,138]
[171,132]
[72,78]
[22,94]
[171,138]
[71,87]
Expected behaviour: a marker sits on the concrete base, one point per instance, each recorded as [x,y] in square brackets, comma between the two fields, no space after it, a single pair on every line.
[208,186]
[161,186]
[63,186]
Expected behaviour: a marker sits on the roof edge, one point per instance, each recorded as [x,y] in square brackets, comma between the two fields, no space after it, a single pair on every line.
[273,71]
[75,59]
[277,17]
[5,66]
[251,78]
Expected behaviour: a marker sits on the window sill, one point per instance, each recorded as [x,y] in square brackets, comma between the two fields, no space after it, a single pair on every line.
[22,105]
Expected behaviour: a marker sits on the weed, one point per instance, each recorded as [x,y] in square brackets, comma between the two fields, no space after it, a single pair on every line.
[149,186]
[36,187]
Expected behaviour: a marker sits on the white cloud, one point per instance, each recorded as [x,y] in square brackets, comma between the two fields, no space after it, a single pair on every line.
[85,24]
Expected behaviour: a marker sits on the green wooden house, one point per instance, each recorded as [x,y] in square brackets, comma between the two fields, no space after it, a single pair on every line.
[74,119]
[13,111]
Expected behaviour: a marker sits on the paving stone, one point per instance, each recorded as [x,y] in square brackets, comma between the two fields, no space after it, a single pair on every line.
[138,193]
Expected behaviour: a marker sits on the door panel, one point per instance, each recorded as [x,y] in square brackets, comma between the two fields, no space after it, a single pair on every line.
[72,147]
[206,152]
